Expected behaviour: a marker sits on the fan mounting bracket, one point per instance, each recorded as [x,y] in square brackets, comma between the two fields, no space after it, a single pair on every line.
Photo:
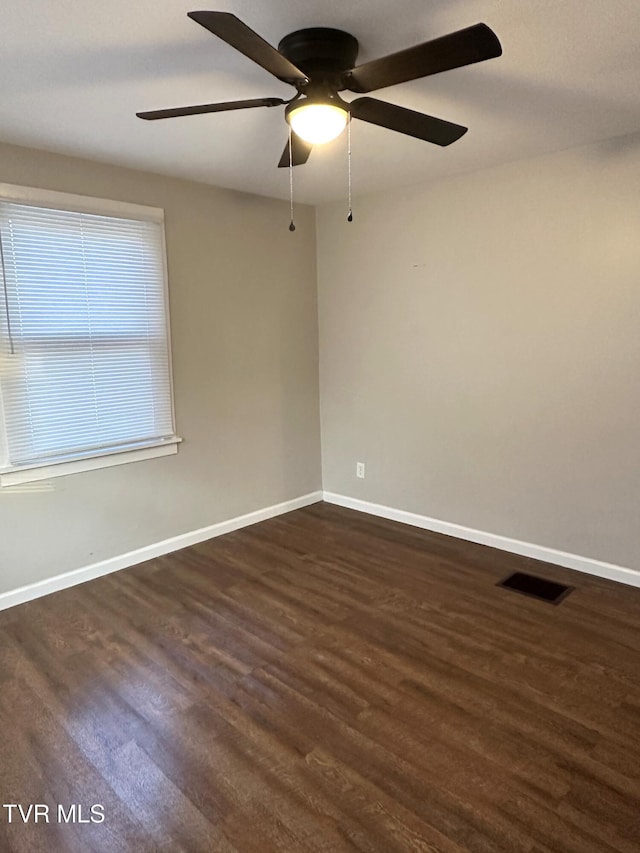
[322,53]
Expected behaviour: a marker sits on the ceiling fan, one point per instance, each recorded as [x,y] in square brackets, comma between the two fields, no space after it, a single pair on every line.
[320,62]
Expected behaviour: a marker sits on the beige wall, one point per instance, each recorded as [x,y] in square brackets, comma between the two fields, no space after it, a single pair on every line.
[244,343]
[480,350]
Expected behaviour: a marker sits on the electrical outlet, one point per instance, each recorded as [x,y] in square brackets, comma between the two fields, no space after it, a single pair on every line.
[360,470]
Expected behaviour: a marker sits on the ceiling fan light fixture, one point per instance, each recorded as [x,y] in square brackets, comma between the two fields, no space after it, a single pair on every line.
[317,123]
[320,62]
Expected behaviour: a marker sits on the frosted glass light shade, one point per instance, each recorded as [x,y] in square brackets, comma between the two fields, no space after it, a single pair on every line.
[318,123]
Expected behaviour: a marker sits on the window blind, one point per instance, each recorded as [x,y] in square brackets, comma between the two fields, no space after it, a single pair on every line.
[86,366]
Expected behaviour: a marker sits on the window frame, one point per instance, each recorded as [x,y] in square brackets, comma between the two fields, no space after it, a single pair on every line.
[11,475]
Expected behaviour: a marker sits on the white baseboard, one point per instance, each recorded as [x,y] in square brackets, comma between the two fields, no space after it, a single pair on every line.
[132,558]
[504,543]
[166,546]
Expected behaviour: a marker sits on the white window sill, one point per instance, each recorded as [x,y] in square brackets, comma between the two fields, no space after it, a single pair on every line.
[29,474]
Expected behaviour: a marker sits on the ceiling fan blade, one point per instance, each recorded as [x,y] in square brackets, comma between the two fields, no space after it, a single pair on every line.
[421,126]
[211,108]
[232,30]
[300,152]
[464,47]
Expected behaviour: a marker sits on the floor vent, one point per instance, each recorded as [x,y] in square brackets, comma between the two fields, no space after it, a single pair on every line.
[539,588]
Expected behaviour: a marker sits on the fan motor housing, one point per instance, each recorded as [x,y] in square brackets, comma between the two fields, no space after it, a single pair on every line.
[320,51]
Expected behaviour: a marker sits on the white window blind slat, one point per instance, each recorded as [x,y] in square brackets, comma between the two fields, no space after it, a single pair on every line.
[85,313]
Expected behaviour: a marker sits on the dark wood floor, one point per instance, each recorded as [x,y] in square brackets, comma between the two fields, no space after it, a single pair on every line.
[324,681]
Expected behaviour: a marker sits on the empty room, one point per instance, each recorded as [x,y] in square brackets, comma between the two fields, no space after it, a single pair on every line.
[320,427]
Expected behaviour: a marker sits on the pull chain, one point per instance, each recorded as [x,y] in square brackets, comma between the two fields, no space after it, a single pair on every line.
[350,216]
[6,298]
[292,227]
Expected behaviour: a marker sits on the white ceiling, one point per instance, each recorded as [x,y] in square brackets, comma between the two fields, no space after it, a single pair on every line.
[73,73]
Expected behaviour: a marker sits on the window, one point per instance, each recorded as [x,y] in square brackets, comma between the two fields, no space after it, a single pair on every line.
[85,371]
